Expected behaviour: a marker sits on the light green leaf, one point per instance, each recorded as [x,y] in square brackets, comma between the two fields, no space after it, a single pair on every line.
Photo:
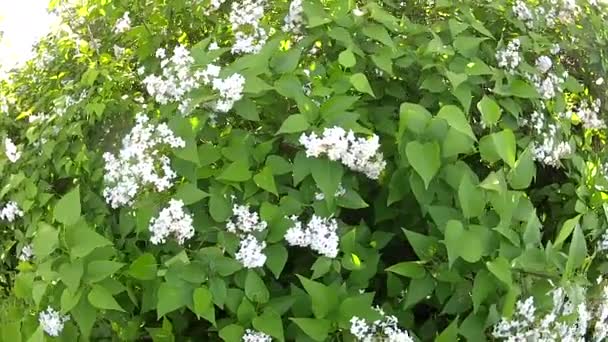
[471,198]
[424,246]
[144,267]
[172,297]
[413,117]
[425,159]
[82,240]
[501,269]
[269,323]
[101,298]
[45,241]
[317,329]
[524,171]
[265,180]
[490,110]
[71,273]
[410,269]
[456,119]
[450,333]
[328,175]
[500,145]
[577,252]
[236,172]
[483,286]
[255,289]
[323,298]
[567,229]
[455,234]
[359,81]
[98,270]
[347,59]
[189,193]
[232,333]
[67,209]
[203,304]
[276,258]
[293,124]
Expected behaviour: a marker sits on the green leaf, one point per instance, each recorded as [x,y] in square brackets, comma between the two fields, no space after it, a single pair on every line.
[523,89]
[144,267]
[425,159]
[410,269]
[424,246]
[483,286]
[276,258]
[323,298]
[523,172]
[359,81]
[184,128]
[189,193]
[71,273]
[577,252]
[457,120]
[501,269]
[45,241]
[567,229]
[490,110]
[418,290]
[269,323]
[293,124]
[265,180]
[101,298]
[378,33]
[413,117]
[83,240]
[203,304]
[328,175]
[456,143]
[69,300]
[247,109]
[317,329]
[85,316]
[232,333]
[347,59]
[98,270]
[455,234]
[67,209]
[471,198]
[455,78]
[236,172]
[315,13]
[219,207]
[172,297]
[499,145]
[450,333]
[255,289]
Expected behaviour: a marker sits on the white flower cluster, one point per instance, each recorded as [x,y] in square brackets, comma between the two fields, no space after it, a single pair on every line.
[319,196]
[52,321]
[172,221]
[176,80]
[245,18]
[547,85]
[358,154]
[214,5]
[523,13]
[509,58]
[255,336]
[319,234]
[548,148]
[387,329]
[566,321]
[588,113]
[230,91]
[244,223]
[140,162]
[10,212]
[27,253]
[123,24]
[544,64]
[547,13]
[294,20]
[11,150]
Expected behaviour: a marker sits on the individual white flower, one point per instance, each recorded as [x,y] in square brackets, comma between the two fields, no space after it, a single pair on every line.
[140,163]
[10,212]
[245,18]
[319,196]
[294,20]
[555,49]
[251,252]
[255,336]
[172,221]
[210,73]
[509,58]
[543,64]
[358,154]
[52,321]
[27,253]
[244,221]
[320,234]
[230,91]
[123,24]
[213,46]
[11,150]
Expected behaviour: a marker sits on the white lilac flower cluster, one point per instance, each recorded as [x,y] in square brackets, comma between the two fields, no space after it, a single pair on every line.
[319,196]
[548,84]
[140,162]
[11,150]
[255,336]
[547,13]
[230,91]
[10,212]
[123,24]
[244,223]
[385,329]
[568,320]
[588,112]
[548,147]
[27,253]
[509,57]
[320,235]
[245,19]
[294,20]
[176,80]
[172,221]
[358,154]
[52,321]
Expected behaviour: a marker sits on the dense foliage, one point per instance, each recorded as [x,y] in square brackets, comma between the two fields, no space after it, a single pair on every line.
[314,170]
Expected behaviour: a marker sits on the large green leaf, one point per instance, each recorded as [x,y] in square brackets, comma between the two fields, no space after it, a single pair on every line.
[457,120]
[67,209]
[424,158]
[317,329]
[101,298]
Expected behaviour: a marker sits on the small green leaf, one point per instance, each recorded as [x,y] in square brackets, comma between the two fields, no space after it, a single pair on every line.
[67,209]
[483,286]
[293,124]
[317,329]
[410,269]
[457,120]
[265,180]
[577,252]
[45,241]
[500,145]
[82,240]
[347,59]
[567,229]
[269,323]
[172,297]
[424,246]
[328,175]
[501,269]
[413,117]
[425,159]
[255,289]
[144,267]
[101,298]
[471,198]
[323,298]
[236,172]
[524,171]
[203,304]
[450,333]
[232,333]
[71,273]
[189,193]
[490,110]
[455,234]
[359,81]
[276,258]
[98,270]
